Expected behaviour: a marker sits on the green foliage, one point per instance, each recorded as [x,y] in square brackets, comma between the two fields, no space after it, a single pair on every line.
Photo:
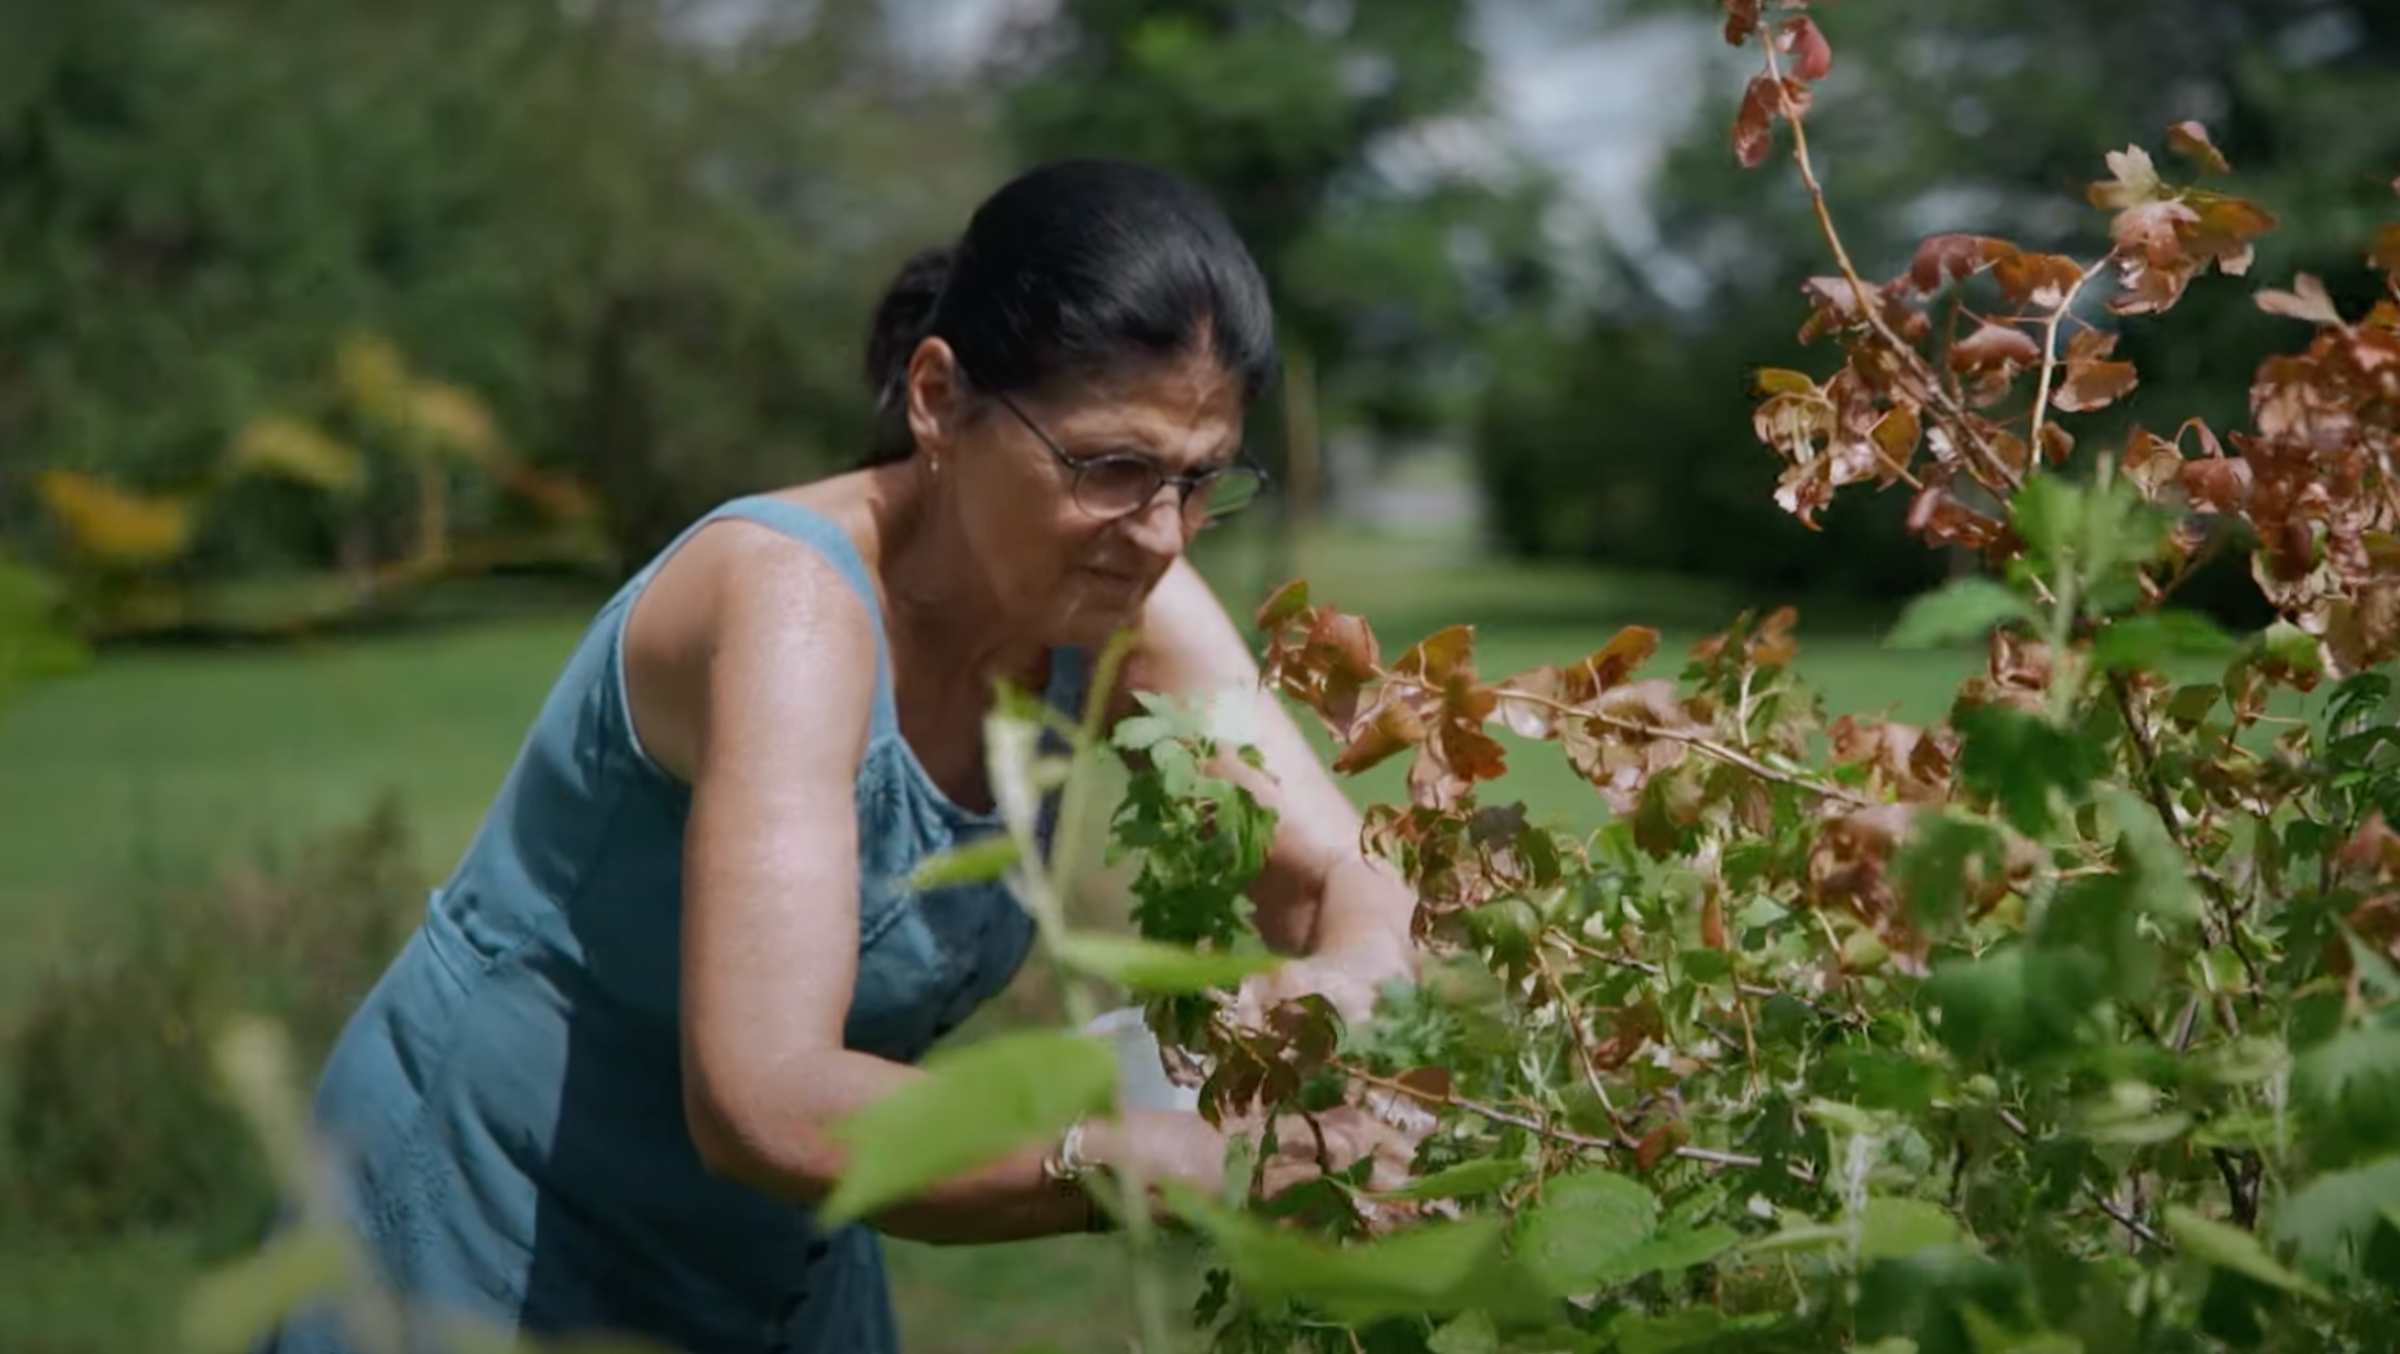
[2070,1023]
[114,1122]
[620,244]
[972,1106]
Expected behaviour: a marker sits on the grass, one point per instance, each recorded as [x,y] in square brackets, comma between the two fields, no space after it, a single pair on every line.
[165,762]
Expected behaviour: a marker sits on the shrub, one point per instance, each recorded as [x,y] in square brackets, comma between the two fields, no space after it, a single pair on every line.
[115,1120]
[2071,1023]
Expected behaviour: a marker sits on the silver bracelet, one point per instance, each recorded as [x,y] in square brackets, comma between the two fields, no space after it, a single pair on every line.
[1068,1164]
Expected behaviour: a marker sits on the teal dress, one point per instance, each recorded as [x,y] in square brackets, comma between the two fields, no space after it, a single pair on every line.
[507,1103]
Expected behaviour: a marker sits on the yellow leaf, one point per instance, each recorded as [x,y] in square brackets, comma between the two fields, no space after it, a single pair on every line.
[454,421]
[373,375]
[111,524]
[276,445]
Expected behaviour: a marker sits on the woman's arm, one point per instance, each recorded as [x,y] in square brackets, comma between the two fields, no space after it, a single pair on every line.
[1320,895]
[764,689]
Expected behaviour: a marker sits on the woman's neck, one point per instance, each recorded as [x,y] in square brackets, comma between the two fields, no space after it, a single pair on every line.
[941,606]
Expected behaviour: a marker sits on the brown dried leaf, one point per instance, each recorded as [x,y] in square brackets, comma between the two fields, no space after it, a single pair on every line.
[2043,280]
[1812,56]
[1526,703]
[2384,255]
[2151,463]
[1390,728]
[1754,122]
[2218,484]
[1994,346]
[2133,180]
[1741,20]
[2092,382]
[1611,665]
[1942,258]
[2307,300]
[2190,140]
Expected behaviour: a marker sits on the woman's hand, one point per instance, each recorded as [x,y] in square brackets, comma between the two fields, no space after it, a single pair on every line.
[1159,1146]
[1350,978]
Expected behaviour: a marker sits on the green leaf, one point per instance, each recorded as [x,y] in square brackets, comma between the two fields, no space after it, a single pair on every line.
[1469,1334]
[972,1106]
[2021,760]
[2331,1221]
[2352,1081]
[2149,640]
[228,1309]
[2013,1003]
[2232,1248]
[1462,1181]
[2160,871]
[1933,864]
[2287,645]
[1671,1253]
[1439,1269]
[1585,1225]
[1962,609]
[975,863]
[1689,1331]
[1154,967]
[1893,1227]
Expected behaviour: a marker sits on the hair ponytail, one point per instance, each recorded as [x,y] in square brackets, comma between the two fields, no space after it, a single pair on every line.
[902,320]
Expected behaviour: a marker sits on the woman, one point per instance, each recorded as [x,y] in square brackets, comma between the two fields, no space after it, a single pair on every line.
[594,1091]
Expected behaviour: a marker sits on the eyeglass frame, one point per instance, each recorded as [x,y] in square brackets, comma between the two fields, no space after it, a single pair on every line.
[1186,484]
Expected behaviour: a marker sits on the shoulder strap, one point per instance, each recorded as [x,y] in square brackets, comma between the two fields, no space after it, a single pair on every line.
[822,534]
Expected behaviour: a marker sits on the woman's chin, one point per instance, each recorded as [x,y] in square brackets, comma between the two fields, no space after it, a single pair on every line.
[1096,610]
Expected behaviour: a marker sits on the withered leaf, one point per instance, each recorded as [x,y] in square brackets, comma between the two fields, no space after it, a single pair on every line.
[1741,20]
[1994,346]
[2043,280]
[1526,703]
[2093,383]
[2307,300]
[1754,121]
[1941,258]
[1390,728]
[1812,55]
[2133,180]
[2384,256]
[2190,139]
[1611,665]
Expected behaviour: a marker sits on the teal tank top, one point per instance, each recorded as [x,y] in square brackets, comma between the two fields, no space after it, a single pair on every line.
[506,1105]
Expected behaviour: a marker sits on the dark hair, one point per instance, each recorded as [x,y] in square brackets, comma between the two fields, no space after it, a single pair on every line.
[1069,269]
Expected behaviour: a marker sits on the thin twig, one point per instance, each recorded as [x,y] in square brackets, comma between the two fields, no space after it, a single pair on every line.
[1585,1054]
[1703,1155]
[2041,390]
[1867,296]
[1574,946]
[2146,755]
[1699,742]
[2105,1204]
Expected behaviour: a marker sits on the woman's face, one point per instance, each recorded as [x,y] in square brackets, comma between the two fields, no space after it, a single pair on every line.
[1070,541]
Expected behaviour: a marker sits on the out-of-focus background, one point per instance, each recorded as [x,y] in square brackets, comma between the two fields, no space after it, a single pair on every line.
[351,352]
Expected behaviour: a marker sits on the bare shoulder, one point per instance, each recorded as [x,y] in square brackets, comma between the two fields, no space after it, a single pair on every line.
[747,634]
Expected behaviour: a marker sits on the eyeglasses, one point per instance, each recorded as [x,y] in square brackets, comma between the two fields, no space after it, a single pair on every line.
[1121,483]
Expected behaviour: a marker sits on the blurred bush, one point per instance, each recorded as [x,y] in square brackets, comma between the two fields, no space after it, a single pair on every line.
[116,1122]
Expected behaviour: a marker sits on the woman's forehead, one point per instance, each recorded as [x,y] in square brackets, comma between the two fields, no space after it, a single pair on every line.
[1189,408]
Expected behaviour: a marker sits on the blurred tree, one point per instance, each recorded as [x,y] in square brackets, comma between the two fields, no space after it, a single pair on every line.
[644,249]
[1942,115]
[1350,145]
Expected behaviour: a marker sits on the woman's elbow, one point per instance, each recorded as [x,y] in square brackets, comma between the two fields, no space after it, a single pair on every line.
[784,1156]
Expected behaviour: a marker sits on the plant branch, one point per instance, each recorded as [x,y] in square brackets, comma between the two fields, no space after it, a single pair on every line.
[1865,295]
[2115,1212]
[2146,766]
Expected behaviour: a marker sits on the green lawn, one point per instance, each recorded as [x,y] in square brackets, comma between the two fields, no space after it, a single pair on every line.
[164,763]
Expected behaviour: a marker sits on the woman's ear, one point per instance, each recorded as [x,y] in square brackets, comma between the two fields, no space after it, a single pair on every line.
[936,396]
